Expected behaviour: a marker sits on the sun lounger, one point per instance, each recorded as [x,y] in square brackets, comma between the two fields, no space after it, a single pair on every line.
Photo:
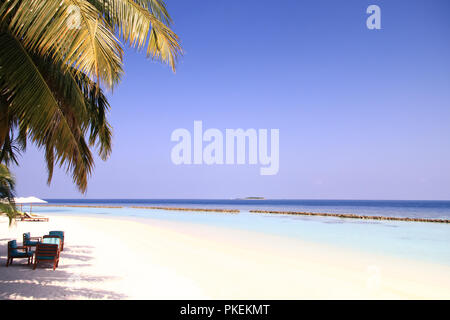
[19,216]
[17,252]
[28,217]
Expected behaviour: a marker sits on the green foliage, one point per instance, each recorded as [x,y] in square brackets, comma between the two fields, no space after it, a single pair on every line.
[7,184]
[53,65]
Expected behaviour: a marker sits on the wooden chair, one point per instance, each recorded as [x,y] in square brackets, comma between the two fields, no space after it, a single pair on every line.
[51,239]
[29,241]
[60,234]
[15,251]
[47,253]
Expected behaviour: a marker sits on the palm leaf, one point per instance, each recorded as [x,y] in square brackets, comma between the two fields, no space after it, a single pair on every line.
[97,107]
[142,24]
[52,72]
[7,185]
[46,27]
[49,123]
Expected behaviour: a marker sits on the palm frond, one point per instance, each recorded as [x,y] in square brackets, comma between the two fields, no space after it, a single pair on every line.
[10,151]
[10,148]
[9,210]
[97,105]
[72,31]
[55,58]
[48,121]
[143,24]
[158,9]
[7,185]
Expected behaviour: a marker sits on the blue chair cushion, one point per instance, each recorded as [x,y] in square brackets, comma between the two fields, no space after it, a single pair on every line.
[52,240]
[15,253]
[45,257]
[57,233]
[12,244]
[26,236]
[31,243]
[18,254]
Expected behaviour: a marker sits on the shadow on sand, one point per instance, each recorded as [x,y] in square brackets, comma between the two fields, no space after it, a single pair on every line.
[20,281]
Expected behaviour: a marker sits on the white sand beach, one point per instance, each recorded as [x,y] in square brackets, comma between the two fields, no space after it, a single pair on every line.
[115,258]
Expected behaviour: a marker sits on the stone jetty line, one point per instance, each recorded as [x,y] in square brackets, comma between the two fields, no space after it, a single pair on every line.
[189,209]
[75,206]
[352,216]
[317,214]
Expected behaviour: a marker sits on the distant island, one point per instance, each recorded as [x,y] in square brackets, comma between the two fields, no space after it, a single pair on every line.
[252,198]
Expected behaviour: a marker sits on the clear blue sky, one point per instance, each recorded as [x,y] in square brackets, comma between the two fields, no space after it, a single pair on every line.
[363,114]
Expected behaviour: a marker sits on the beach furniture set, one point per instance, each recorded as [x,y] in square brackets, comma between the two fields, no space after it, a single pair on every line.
[47,249]
[28,217]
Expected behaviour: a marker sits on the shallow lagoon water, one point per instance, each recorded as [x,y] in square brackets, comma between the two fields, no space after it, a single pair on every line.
[394,208]
[429,242]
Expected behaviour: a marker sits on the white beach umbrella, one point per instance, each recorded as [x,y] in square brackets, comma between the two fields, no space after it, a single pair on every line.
[28,200]
[20,200]
[34,200]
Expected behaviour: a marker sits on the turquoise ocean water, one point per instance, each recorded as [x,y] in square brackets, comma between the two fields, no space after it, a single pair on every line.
[428,242]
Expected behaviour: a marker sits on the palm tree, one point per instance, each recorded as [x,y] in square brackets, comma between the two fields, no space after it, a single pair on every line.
[56,58]
[7,184]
